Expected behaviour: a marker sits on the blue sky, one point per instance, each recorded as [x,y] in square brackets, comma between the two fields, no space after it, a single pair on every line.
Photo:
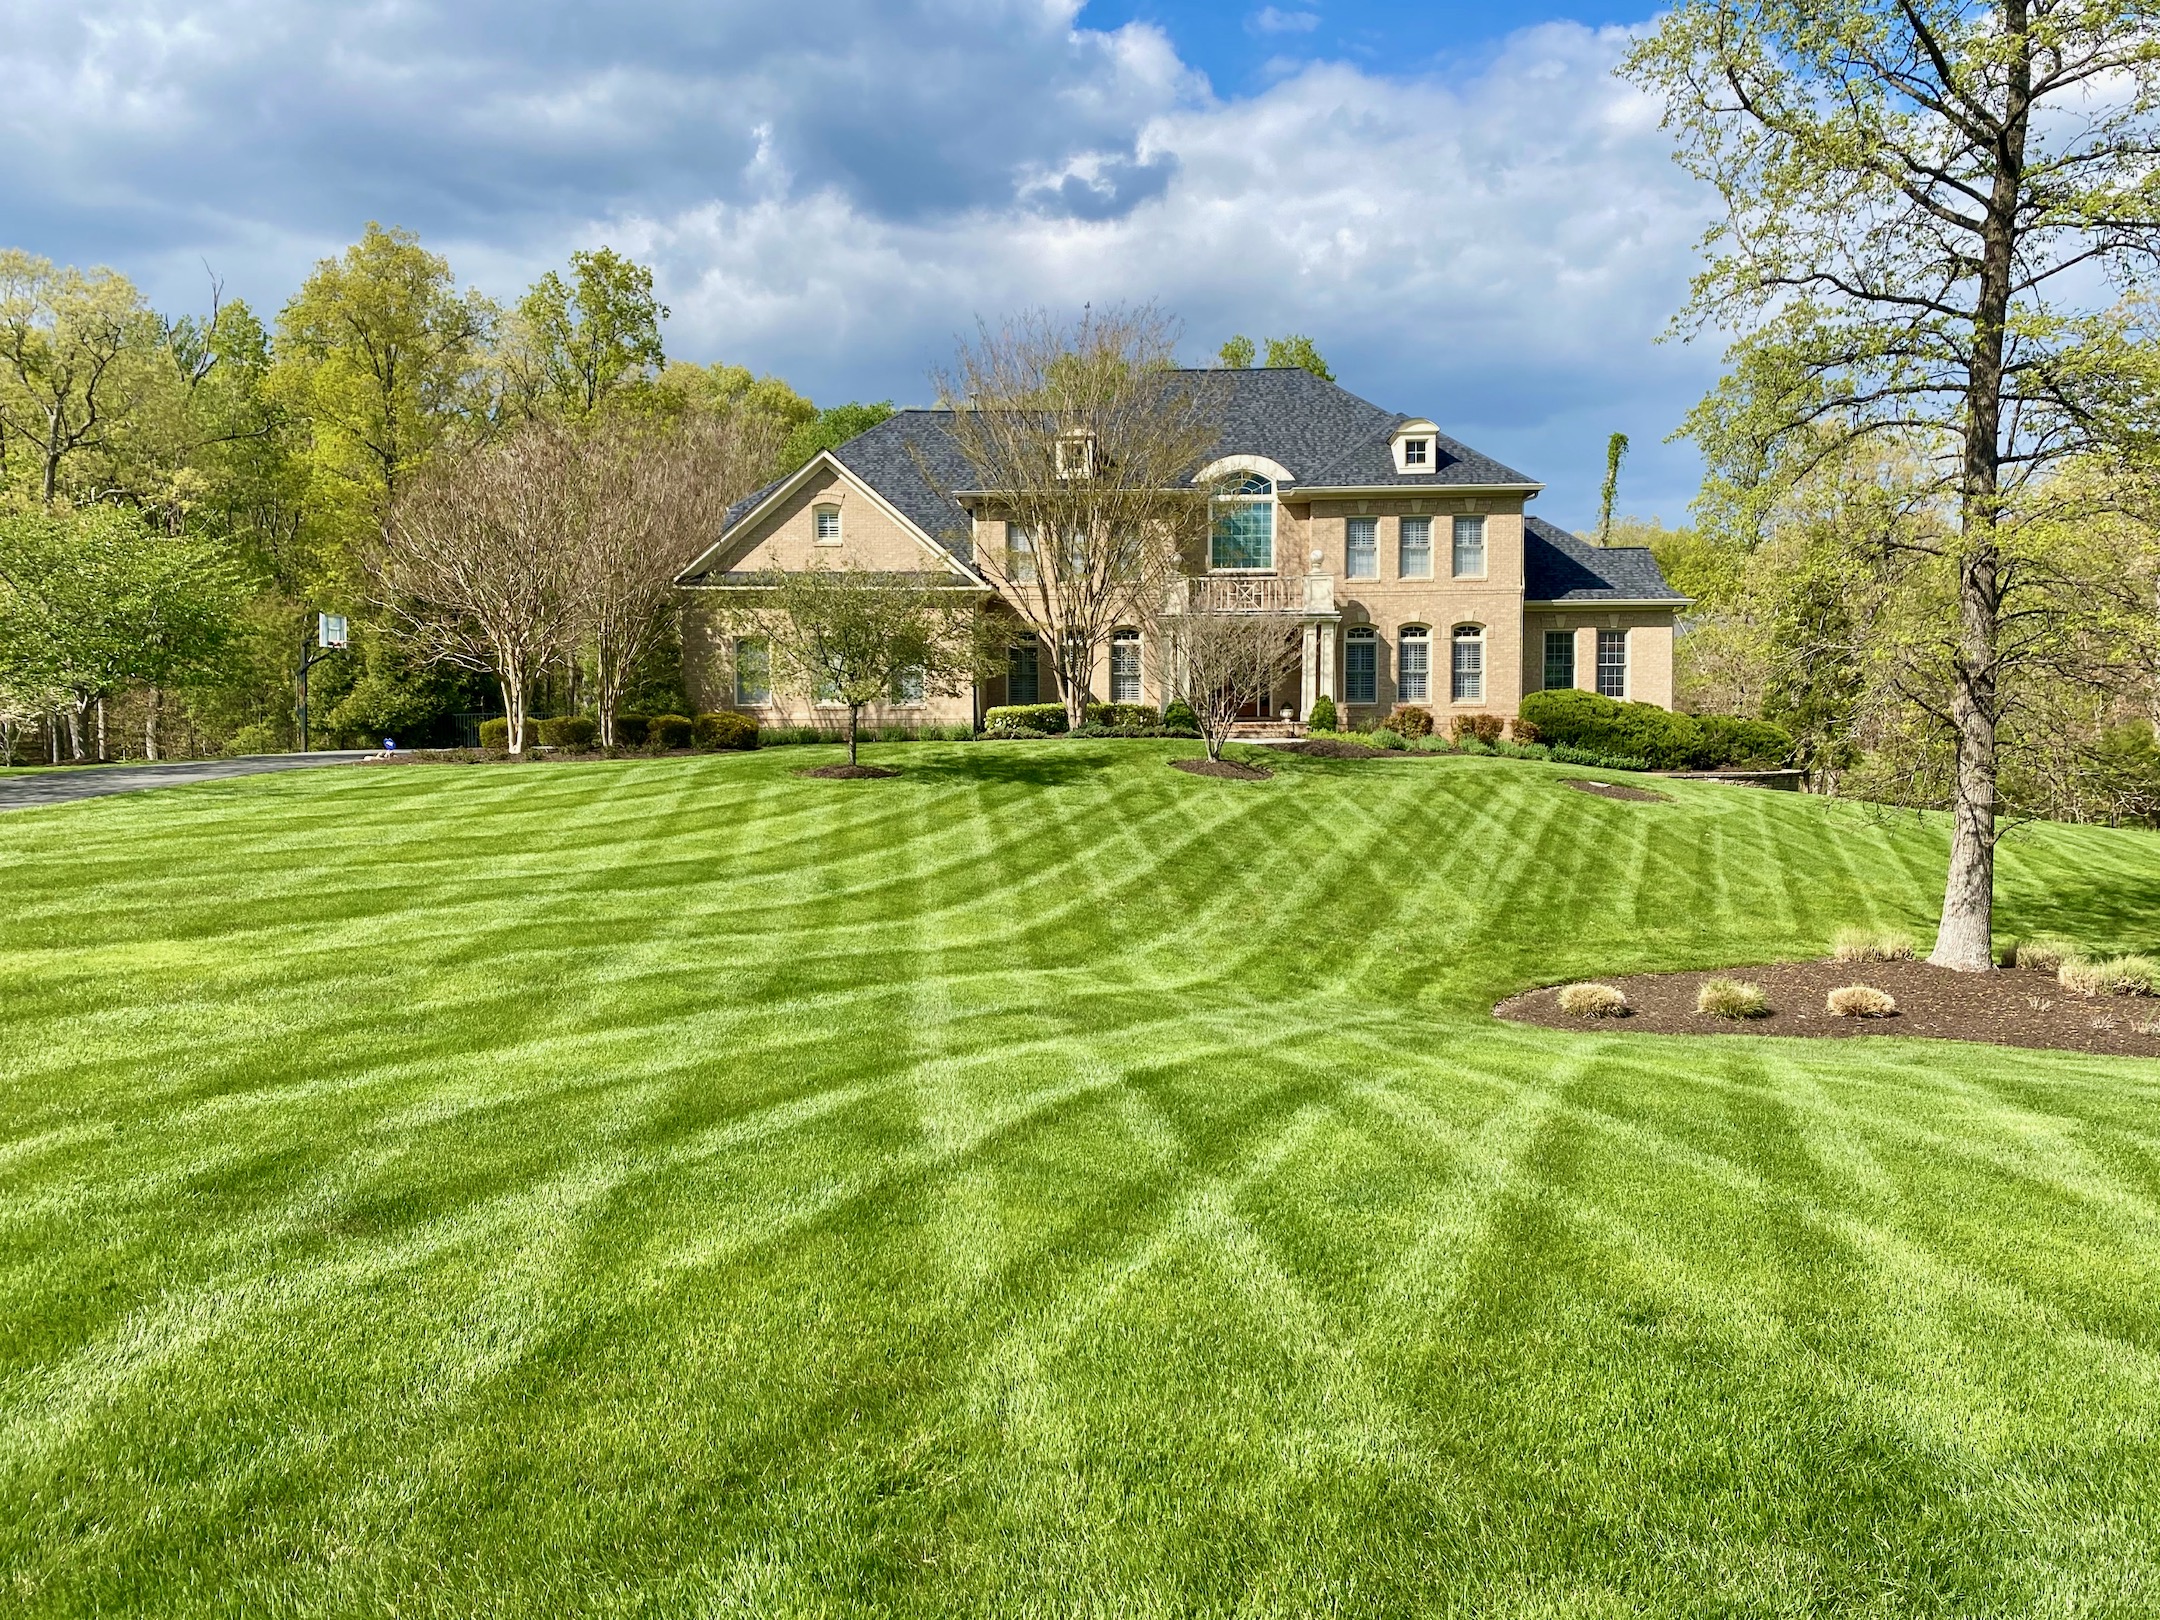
[1459,203]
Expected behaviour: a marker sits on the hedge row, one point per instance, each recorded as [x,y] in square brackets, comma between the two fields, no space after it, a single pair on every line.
[1669,741]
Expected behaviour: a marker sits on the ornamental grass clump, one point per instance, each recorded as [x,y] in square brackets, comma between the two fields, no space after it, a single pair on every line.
[1861,1001]
[2045,954]
[2118,976]
[1871,945]
[1593,1001]
[1384,738]
[1731,998]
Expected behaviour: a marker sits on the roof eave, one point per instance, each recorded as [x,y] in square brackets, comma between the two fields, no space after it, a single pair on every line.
[1301,492]
[1608,602]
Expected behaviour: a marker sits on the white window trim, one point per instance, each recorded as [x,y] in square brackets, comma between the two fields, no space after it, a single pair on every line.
[1457,635]
[1484,548]
[1348,524]
[1404,635]
[818,514]
[1627,663]
[1127,638]
[1273,504]
[1361,636]
[1400,571]
[1427,433]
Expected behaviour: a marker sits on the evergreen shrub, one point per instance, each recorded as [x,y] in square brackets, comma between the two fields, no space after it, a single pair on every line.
[1042,718]
[1322,717]
[577,732]
[725,729]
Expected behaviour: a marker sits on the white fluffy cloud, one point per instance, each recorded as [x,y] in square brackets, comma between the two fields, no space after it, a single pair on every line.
[832,190]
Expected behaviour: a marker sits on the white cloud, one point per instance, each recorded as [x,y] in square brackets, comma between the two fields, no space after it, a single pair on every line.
[834,189]
[1273,20]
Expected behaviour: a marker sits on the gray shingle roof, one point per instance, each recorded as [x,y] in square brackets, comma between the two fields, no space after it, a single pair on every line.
[1558,567]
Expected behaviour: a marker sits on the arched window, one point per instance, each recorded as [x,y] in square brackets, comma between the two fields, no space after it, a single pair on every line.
[1469,666]
[1125,667]
[826,524]
[1413,665]
[1244,532]
[1361,665]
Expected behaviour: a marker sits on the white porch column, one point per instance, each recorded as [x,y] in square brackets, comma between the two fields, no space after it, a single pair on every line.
[1308,669]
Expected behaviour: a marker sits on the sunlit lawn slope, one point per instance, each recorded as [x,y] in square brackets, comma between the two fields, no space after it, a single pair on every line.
[1043,1183]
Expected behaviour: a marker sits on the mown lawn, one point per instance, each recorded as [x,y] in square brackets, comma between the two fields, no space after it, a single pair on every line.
[1045,1183]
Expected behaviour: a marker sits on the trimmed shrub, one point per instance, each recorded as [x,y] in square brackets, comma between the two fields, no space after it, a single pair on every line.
[1484,728]
[1860,1001]
[1409,720]
[1023,733]
[1045,718]
[1180,721]
[1524,731]
[1723,742]
[2045,952]
[665,731]
[1666,741]
[1322,717]
[1566,755]
[1731,998]
[574,731]
[724,729]
[1593,1001]
[1871,945]
[2118,976]
[495,734]
[1386,738]
[630,730]
[1117,717]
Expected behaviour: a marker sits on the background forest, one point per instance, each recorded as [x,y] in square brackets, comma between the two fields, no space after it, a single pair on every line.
[182,495]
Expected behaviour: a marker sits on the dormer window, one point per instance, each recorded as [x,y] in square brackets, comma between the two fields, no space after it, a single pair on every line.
[1416,446]
[826,525]
[1076,455]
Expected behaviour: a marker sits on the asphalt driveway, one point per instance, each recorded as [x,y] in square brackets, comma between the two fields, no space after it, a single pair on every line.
[95,781]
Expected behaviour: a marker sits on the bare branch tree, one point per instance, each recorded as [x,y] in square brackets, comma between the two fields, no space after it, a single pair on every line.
[1085,442]
[1227,662]
[477,565]
[654,495]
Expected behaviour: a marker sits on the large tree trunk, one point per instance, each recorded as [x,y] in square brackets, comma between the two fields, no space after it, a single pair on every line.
[513,691]
[1964,940]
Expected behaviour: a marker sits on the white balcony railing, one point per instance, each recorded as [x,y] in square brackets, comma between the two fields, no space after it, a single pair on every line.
[1254,593]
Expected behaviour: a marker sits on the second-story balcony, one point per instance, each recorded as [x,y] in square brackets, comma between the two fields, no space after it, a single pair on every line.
[1300,594]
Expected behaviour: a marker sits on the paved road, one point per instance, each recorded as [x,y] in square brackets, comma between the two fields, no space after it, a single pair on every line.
[94,781]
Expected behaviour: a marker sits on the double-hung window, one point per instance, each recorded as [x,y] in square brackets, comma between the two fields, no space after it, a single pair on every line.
[1612,663]
[753,670]
[1023,672]
[1019,555]
[1361,666]
[1125,667]
[1414,559]
[1413,666]
[1559,660]
[1244,532]
[1361,548]
[827,525]
[1469,548]
[1469,665]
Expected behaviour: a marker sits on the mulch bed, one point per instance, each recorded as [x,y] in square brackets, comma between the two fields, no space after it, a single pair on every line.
[1327,748]
[1616,790]
[1229,769]
[2010,1007]
[846,773]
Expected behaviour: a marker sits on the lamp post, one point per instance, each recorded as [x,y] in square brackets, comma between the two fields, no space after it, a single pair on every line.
[330,637]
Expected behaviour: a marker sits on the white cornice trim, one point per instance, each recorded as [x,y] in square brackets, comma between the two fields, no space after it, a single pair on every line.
[1336,492]
[1585,605]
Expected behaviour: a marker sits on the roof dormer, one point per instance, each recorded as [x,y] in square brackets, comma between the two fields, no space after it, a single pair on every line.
[1416,446]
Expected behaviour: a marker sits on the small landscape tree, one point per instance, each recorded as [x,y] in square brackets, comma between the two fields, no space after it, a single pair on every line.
[1229,662]
[851,636]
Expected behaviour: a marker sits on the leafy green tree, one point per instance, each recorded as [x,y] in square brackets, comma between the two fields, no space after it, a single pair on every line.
[1917,195]
[828,430]
[1237,354]
[576,347]
[1297,350]
[730,391]
[382,357]
[77,353]
[92,600]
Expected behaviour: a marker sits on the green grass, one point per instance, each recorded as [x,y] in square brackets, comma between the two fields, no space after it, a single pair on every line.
[1045,1183]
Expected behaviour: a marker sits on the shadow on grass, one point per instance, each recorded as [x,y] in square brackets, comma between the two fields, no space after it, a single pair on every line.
[1044,769]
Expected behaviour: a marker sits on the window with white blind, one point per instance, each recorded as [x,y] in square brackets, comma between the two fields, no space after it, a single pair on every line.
[1469,548]
[1019,555]
[1469,664]
[1125,667]
[1612,663]
[1414,554]
[1361,666]
[827,520]
[1361,548]
[1413,666]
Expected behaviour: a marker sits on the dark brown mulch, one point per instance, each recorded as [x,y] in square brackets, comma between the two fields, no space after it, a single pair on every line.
[2011,1007]
[846,773]
[1329,748]
[1616,790]
[1229,769]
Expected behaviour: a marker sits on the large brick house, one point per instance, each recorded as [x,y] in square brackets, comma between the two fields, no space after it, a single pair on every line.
[1407,558]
